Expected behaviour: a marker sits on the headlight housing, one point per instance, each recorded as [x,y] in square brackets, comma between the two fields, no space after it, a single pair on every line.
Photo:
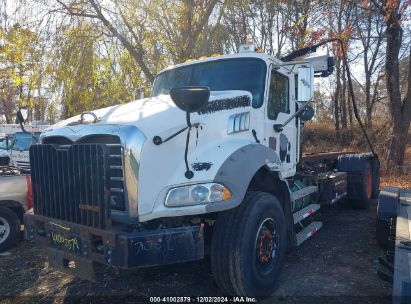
[197,194]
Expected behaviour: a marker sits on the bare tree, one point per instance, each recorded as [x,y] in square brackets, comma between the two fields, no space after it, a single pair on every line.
[400,107]
[371,35]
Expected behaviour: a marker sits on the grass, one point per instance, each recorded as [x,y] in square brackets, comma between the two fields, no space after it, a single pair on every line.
[321,137]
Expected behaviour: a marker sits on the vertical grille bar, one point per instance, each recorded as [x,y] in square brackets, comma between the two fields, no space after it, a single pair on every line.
[60,202]
[74,188]
[50,176]
[52,164]
[100,186]
[43,183]
[34,180]
[80,169]
[86,177]
[93,169]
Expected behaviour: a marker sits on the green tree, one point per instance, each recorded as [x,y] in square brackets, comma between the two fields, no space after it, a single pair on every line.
[91,73]
[20,59]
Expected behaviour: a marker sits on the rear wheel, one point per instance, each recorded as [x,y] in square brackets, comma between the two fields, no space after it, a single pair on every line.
[365,189]
[363,178]
[9,228]
[248,246]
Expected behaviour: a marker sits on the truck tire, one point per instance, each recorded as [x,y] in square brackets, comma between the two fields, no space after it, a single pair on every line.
[383,234]
[361,192]
[248,246]
[9,228]
[366,191]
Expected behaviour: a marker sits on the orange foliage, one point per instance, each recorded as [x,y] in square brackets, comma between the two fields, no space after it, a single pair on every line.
[403,181]
[392,5]
[364,3]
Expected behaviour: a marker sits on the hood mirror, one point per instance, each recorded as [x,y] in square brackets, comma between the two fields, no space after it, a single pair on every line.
[22,114]
[21,117]
[190,99]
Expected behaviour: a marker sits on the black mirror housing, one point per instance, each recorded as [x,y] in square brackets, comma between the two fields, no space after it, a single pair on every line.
[190,99]
[307,114]
[19,117]
[22,115]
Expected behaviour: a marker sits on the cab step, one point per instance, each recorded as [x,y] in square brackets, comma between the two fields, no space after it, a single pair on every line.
[303,192]
[305,212]
[308,232]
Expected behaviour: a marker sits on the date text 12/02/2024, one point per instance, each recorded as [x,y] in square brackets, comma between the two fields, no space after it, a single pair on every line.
[203,300]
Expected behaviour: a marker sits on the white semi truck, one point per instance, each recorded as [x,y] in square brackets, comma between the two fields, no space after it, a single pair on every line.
[211,162]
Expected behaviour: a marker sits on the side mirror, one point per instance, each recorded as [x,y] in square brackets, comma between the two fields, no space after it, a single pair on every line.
[307,114]
[22,114]
[190,99]
[305,84]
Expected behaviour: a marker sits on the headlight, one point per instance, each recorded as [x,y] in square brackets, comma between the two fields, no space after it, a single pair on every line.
[197,194]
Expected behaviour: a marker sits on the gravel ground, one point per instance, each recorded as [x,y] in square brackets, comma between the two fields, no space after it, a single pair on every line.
[338,265]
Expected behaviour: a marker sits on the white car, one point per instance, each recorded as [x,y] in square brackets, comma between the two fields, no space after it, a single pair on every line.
[4,152]
[15,199]
[19,150]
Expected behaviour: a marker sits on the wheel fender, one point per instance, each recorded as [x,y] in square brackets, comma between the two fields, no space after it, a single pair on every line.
[238,169]
[388,203]
[387,215]
[14,206]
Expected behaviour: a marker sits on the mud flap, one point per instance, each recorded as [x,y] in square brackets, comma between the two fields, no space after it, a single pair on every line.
[73,264]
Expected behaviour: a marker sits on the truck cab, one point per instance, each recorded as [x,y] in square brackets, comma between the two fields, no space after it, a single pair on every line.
[211,159]
[20,143]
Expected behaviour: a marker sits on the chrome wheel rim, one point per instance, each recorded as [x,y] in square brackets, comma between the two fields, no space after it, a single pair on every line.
[4,230]
[266,246]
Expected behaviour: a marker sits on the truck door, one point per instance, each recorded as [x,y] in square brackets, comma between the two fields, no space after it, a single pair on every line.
[279,107]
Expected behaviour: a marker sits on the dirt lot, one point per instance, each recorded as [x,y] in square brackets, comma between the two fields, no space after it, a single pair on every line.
[338,265]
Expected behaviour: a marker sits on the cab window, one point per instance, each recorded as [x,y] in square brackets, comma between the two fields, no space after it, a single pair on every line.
[278,97]
[22,141]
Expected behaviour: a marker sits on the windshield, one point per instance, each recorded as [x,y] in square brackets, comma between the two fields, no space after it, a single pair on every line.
[22,141]
[247,74]
[3,143]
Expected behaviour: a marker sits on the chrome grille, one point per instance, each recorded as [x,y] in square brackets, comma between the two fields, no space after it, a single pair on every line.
[71,183]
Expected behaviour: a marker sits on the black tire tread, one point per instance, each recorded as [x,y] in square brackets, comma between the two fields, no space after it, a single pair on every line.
[227,239]
[359,163]
[225,229]
[236,257]
[14,223]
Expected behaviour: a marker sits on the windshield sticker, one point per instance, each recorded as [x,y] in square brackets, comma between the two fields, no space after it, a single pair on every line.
[226,104]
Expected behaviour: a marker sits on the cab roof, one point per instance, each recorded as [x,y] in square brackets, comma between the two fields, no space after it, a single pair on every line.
[267,58]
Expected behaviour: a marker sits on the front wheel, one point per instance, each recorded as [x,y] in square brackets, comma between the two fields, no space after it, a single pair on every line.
[9,228]
[248,246]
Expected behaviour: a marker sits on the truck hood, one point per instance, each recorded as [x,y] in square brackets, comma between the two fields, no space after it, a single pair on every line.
[154,115]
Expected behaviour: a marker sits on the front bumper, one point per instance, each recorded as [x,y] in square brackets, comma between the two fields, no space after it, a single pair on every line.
[77,247]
